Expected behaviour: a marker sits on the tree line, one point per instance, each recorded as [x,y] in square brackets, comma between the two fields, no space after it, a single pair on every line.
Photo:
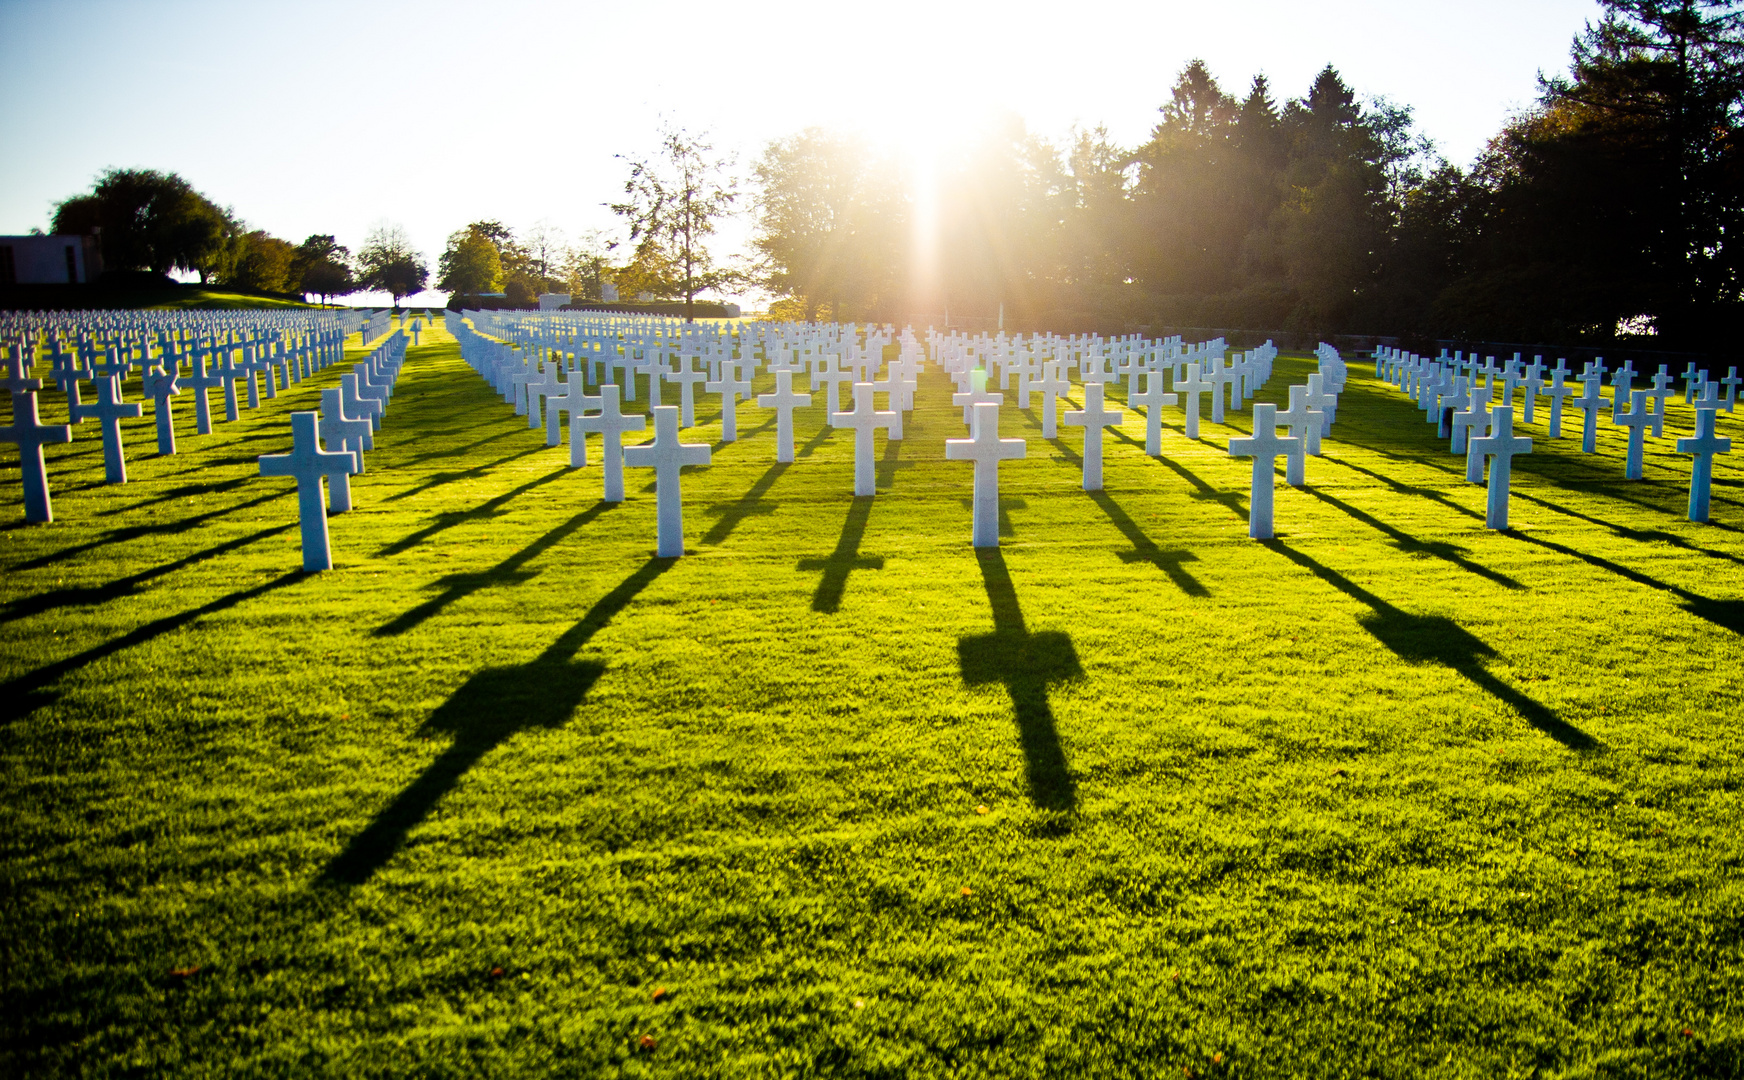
[146,220]
[1609,208]
[1606,210]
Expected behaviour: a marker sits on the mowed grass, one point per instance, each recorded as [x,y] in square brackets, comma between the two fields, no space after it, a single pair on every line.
[502,794]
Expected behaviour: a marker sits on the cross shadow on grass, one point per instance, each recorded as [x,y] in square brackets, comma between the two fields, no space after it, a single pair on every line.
[456,587]
[21,696]
[1026,664]
[160,528]
[1145,550]
[1423,639]
[436,480]
[843,561]
[483,511]
[751,505]
[184,491]
[1726,614]
[81,595]
[487,710]
[889,464]
[1409,544]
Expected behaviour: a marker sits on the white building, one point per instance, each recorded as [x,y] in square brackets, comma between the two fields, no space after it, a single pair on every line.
[552,301]
[48,260]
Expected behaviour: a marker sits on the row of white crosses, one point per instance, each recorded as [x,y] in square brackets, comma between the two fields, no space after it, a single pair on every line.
[347,420]
[544,362]
[1461,397]
[103,346]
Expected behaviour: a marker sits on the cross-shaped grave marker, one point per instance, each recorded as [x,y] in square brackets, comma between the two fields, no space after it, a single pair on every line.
[350,436]
[309,465]
[1499,447]
[200,382]
[1557,391]
[986,449]
[784,401]
[667,457]
[1193,384]
[1704,446]
[687,376]
[109,410]
[1264,446]
[611,425]
[728,386]
[1475,415]
[160,384]
[31,435]
[1590,402]
[864,419]
[1093,418]
[1637,419]
[1731,382]
[1300,419]
[1053,385]
[1153,399]
[1661,391]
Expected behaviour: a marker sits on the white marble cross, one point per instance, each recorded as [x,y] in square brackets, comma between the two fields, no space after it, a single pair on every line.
[1731,382]
[1557,391]
[864,419]
[1053,385]
[667,456]
[368,408]
[1193,384]
[31,435]
[1531,385]
[1476,415]
[829,372]
[1263,446]
[728,386]
[986,449]
[784,401]
[578,401]
[200,382]
[1093,418]
[159,384]
[229,371]
[976,395]
[1590,402]
[1153,399]
[687,376]
[109,410]
[1704,446]
[1500,447]
[1661,391]
[1637,419]
[611,424]
[1300,419]
[308,464]
[350,436]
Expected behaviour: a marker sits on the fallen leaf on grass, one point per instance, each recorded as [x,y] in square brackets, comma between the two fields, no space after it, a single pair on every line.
[184,972]
[859,1003]
[1341,772]
[646,1042]
[968,891]
[661,994]
[497,973]
[982,809]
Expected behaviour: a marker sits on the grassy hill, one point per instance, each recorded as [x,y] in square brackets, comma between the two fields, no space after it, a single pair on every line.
[503,794]
[169,297]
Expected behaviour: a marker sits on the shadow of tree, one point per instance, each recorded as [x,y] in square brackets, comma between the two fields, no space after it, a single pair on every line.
[1026,664]
[838,564]
[488,709]
[1421,639]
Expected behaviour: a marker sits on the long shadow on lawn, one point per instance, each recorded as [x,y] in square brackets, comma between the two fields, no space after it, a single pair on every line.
[1026,664]
[1409,544]
[838,564]
[448,520]
[162,528]
[1145,550]
[1422,639]
[488,709]
[25,694]
[435,480]
[459,586]
[114,590]
[739,509]
[1726,614]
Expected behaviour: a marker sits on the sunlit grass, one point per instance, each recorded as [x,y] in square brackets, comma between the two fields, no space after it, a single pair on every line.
[504,794]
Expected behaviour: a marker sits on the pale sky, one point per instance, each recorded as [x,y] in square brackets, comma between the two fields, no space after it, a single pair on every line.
[320,117]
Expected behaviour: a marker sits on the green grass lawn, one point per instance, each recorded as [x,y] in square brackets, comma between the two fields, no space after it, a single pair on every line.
[503,794]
